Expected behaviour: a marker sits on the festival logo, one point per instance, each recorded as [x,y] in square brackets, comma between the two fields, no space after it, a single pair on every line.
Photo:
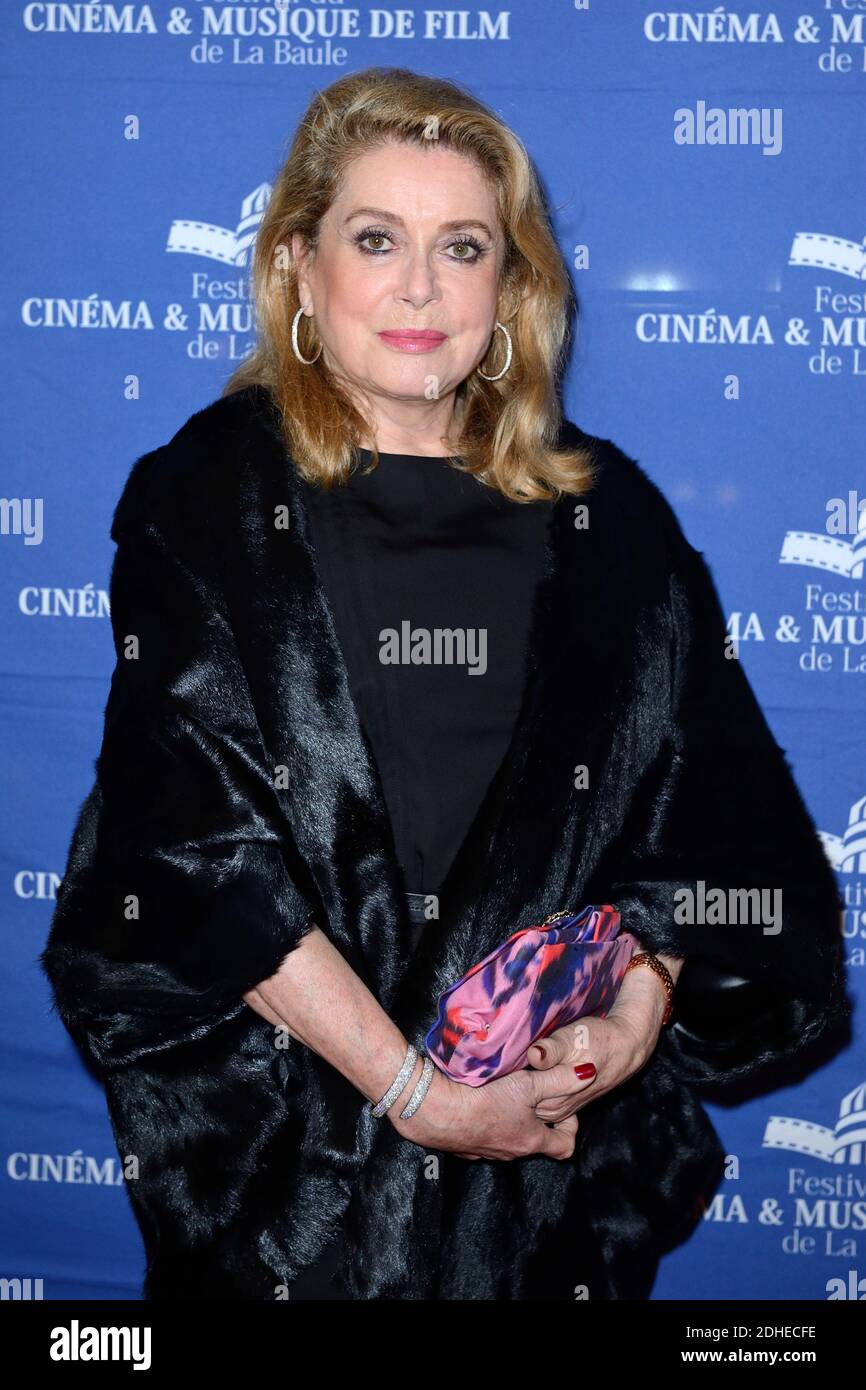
[229,245]
[844,1143]
[847,855]
[830,632]
[214,320]
[813,1213]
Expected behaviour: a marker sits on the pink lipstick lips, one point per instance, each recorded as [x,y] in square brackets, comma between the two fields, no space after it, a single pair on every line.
[413,339]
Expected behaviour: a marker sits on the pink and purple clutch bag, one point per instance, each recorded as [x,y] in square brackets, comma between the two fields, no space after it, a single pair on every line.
[540,979]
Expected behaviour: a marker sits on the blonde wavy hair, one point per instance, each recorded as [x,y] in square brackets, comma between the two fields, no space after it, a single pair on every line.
[510,427]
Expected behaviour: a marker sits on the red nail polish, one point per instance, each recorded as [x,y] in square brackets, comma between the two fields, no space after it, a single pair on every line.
[585,1070]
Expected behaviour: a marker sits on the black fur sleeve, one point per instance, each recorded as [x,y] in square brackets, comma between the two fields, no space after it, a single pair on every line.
[177,895]
[720,810]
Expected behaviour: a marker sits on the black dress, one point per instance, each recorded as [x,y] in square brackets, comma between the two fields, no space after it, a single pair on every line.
[430,576]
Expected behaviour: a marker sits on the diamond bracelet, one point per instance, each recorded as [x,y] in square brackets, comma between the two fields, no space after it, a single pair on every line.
[398,1084]
[420,1090]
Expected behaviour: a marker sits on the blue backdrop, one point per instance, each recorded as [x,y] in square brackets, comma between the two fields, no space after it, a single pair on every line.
[719,262]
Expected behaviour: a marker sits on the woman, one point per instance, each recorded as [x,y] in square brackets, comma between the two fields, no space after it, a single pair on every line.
[238,945]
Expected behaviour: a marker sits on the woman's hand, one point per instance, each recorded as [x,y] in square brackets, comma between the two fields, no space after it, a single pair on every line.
[618,1045]
[534,1110]
[497,1120]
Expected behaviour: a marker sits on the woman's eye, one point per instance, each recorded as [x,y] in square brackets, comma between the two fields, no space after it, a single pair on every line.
[372,234]
[470,250]
[466,247]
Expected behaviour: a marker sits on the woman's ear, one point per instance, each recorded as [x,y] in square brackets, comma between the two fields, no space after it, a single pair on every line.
[300,255]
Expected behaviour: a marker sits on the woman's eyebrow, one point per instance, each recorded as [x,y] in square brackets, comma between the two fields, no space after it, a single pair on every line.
[452,226]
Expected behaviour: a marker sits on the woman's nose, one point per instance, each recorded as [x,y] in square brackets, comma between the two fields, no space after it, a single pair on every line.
[418,278]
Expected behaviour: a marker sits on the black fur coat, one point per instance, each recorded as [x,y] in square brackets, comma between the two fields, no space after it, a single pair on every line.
[236,799]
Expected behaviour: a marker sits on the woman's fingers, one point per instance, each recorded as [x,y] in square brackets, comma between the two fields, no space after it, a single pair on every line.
[570,1042]
[559,1139]
[507,1123]
[558,1083]
[558,1092]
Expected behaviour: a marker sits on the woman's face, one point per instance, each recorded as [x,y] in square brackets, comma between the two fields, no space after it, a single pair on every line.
[412,242]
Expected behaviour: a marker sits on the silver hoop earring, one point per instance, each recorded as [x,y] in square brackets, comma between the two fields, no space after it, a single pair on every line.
[308,362]
[508,352]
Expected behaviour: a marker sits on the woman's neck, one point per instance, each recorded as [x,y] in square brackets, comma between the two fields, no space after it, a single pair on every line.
[391,440]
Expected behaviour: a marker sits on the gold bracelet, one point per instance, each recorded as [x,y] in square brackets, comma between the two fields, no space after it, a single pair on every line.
[661,970]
